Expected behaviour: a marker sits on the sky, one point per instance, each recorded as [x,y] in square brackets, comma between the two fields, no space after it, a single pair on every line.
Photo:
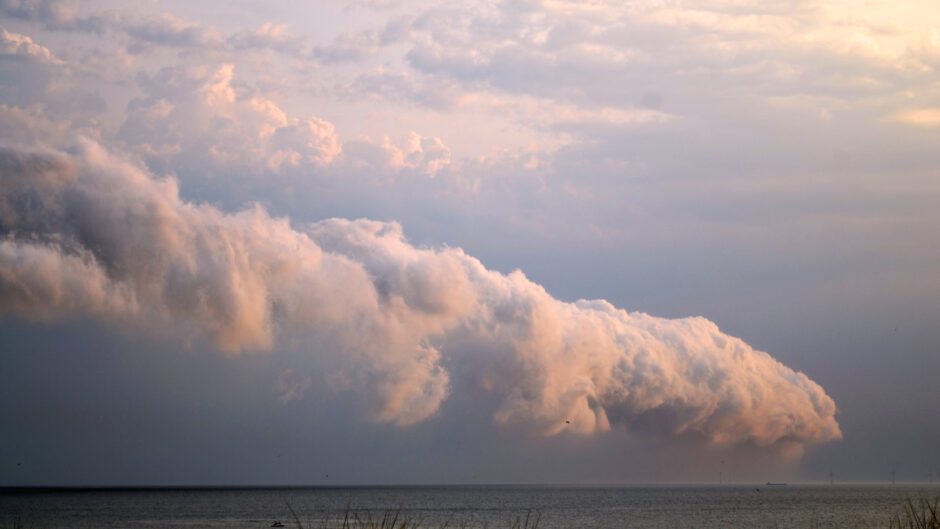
[398,242]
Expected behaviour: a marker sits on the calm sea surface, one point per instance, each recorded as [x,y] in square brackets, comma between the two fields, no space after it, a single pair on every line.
[494,506]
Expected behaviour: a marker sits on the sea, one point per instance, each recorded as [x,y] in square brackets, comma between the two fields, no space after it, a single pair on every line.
[493,507]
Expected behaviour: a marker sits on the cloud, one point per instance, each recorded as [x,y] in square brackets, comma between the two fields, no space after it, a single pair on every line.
[148,31]
[291,386]
[920,117]
[415,153]
[196,114]
[168,30]
[89,235]
[355,47]
[47,10]
[15,45]
[198,118]
[29,72]
[606,53]
[31,126]
[431,92]
[348,48]
[268,36]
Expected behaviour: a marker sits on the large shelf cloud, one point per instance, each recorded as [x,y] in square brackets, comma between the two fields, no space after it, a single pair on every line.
[90,235]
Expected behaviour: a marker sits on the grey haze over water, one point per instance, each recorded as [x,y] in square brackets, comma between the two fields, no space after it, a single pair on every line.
[555,507]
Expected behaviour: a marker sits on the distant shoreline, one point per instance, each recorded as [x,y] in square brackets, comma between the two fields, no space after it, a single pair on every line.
[203,488]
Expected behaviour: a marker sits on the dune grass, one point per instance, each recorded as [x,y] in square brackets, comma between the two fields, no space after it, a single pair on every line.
[921,514]
[916,514]
[396,520]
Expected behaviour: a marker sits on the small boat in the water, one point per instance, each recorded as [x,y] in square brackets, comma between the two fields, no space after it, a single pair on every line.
[769,484]
[277,524]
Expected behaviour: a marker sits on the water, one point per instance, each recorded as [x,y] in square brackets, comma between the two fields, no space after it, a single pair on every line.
[495,506]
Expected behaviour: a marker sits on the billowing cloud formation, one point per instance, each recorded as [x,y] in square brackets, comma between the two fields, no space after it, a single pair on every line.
[196,113]
[89,235]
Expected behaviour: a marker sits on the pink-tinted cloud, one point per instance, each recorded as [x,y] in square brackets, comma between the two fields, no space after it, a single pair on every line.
[101,238]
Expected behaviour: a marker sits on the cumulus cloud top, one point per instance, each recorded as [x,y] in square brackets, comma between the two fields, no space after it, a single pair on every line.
[89,235]
[18,45]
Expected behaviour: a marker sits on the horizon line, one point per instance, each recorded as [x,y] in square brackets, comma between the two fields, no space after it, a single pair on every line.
[7,489]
